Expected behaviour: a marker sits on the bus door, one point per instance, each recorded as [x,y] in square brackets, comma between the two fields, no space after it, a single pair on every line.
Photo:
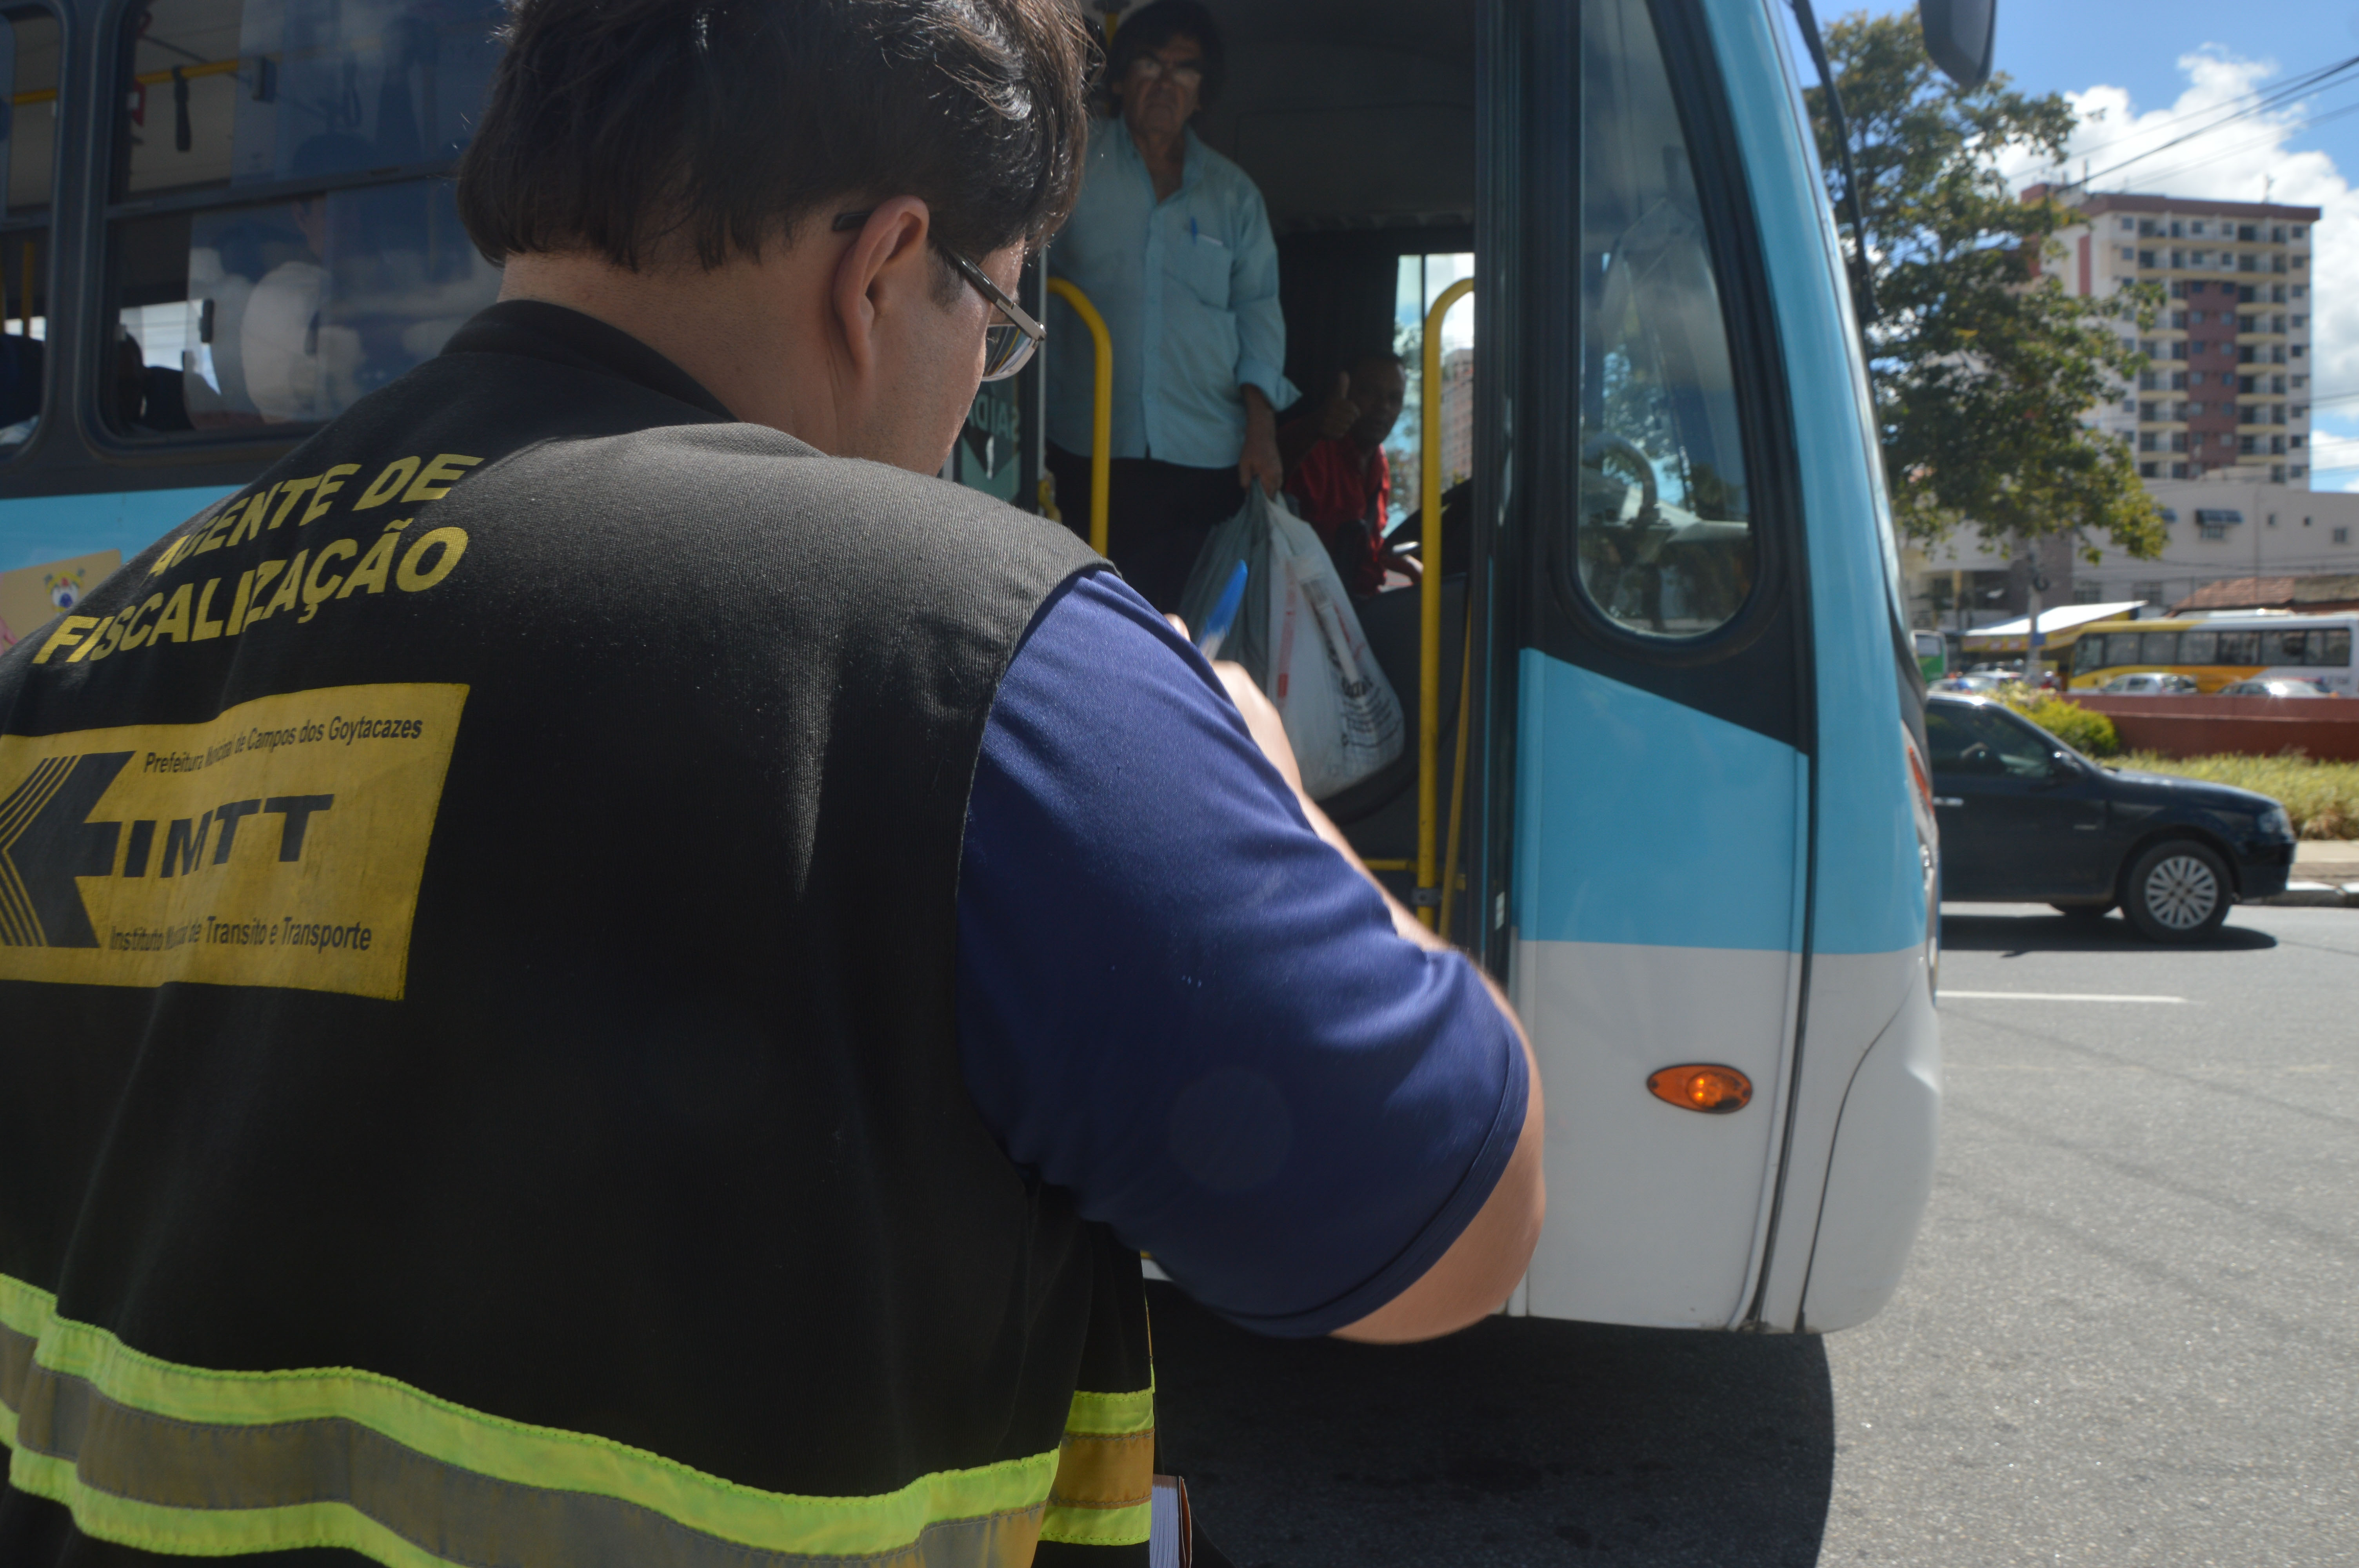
[1632,847]
[1651,629]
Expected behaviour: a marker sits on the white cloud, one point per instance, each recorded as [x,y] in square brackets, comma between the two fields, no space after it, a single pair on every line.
[2340,453]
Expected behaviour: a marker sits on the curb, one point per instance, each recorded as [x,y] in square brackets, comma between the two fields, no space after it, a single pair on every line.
[2314,895]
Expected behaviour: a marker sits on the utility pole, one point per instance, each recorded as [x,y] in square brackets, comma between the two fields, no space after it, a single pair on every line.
[2031,638]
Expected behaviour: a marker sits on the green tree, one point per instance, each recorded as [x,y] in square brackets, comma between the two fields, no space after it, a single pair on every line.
[1983,369]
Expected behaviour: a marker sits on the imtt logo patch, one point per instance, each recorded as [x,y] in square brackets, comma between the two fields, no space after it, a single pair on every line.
[279,845]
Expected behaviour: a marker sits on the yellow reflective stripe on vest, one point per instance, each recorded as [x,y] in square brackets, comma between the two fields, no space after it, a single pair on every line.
[1104,1491]
[1106,1414]
[183,1459]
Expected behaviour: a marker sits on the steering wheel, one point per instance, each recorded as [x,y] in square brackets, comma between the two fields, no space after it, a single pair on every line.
[1604,558]
[1977,755]
[1600,448]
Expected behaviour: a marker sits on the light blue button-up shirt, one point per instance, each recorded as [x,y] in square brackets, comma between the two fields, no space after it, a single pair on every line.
[1188,289]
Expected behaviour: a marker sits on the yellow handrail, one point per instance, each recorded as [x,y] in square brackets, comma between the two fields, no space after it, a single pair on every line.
[145,79]
[1428,653]
[1101,408]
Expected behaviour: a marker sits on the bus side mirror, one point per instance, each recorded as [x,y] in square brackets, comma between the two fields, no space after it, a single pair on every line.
[1959,35]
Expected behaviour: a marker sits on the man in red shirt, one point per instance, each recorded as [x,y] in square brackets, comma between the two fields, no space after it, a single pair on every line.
[1336,472]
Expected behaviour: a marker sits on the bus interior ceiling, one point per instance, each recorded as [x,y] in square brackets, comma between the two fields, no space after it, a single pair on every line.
[1356,120]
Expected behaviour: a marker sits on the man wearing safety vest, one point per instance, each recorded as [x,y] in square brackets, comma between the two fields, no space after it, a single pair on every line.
[596,969]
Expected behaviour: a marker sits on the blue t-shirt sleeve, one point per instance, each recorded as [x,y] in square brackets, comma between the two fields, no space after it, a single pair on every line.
[1180,1003]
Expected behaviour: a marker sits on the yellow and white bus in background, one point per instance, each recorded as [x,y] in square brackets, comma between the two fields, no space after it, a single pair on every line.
[2217,651]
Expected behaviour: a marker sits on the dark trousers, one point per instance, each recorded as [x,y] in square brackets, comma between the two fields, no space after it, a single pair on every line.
[1159,514]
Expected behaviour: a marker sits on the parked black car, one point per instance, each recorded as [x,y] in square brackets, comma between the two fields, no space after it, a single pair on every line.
[2026,818]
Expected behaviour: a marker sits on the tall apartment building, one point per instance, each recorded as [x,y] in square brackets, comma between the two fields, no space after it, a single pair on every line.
[2227,393]
[1457,416]
[1402,451]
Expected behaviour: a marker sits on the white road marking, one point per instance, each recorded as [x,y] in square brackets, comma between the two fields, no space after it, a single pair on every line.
[1946,994]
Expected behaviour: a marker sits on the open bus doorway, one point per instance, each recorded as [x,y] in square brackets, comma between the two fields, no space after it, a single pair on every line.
[1356,123]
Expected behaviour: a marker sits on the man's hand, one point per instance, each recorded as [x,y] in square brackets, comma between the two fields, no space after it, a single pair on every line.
[1260,464]
[1339,414]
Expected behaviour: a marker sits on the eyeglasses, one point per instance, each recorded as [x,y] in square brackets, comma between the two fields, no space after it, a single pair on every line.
[1008,344]
[1150,67]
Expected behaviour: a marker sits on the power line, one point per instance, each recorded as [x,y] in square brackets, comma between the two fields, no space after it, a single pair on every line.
[2301,86]
[2265,97]
[2276,136]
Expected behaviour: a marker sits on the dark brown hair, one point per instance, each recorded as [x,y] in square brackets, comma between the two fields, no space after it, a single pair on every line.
[1147,30]
[653,129]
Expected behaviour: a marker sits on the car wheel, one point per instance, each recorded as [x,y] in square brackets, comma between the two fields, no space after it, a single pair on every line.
[2083,914]
[2177,892]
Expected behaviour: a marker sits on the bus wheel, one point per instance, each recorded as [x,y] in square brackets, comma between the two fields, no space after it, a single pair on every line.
[2177,892]
[2083,914]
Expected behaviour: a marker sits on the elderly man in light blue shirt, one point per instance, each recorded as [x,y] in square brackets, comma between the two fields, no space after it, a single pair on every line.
[1171,243]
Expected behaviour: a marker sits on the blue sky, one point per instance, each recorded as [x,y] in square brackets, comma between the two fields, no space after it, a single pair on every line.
[2071,46]
[2143,72]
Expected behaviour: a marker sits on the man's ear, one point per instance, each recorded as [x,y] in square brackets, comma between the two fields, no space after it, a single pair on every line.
[885,262]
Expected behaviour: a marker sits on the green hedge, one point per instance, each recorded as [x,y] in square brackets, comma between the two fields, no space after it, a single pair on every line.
[2092,734]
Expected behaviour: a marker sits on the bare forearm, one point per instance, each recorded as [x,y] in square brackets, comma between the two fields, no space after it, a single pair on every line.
[1260,462]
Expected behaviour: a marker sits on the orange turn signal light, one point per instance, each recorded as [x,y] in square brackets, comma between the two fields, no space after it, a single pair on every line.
[1717,1090]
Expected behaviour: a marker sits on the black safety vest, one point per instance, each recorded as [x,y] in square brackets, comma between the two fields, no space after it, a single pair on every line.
[477,919]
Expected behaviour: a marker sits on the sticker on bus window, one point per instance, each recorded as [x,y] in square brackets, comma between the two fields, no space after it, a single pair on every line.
[281,844]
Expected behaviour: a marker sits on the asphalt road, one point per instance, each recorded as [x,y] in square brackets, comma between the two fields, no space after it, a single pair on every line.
[2129,1333]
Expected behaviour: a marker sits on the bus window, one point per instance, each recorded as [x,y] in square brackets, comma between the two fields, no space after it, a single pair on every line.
[1665,537]
[2088,656]
[2157,648]
[28,157]
[2240,647]
[1418,281]
[2121,649]
[282,306]
[2330,648]
[2287,647]
[2198,647]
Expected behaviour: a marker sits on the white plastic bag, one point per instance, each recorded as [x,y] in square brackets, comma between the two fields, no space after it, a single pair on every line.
[1300,639]
[1339,711]
[1244,538]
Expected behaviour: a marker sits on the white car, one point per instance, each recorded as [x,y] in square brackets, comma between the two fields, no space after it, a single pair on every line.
[2149,683]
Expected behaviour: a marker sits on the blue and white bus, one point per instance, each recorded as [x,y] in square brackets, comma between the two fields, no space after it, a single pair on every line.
[1679,808]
